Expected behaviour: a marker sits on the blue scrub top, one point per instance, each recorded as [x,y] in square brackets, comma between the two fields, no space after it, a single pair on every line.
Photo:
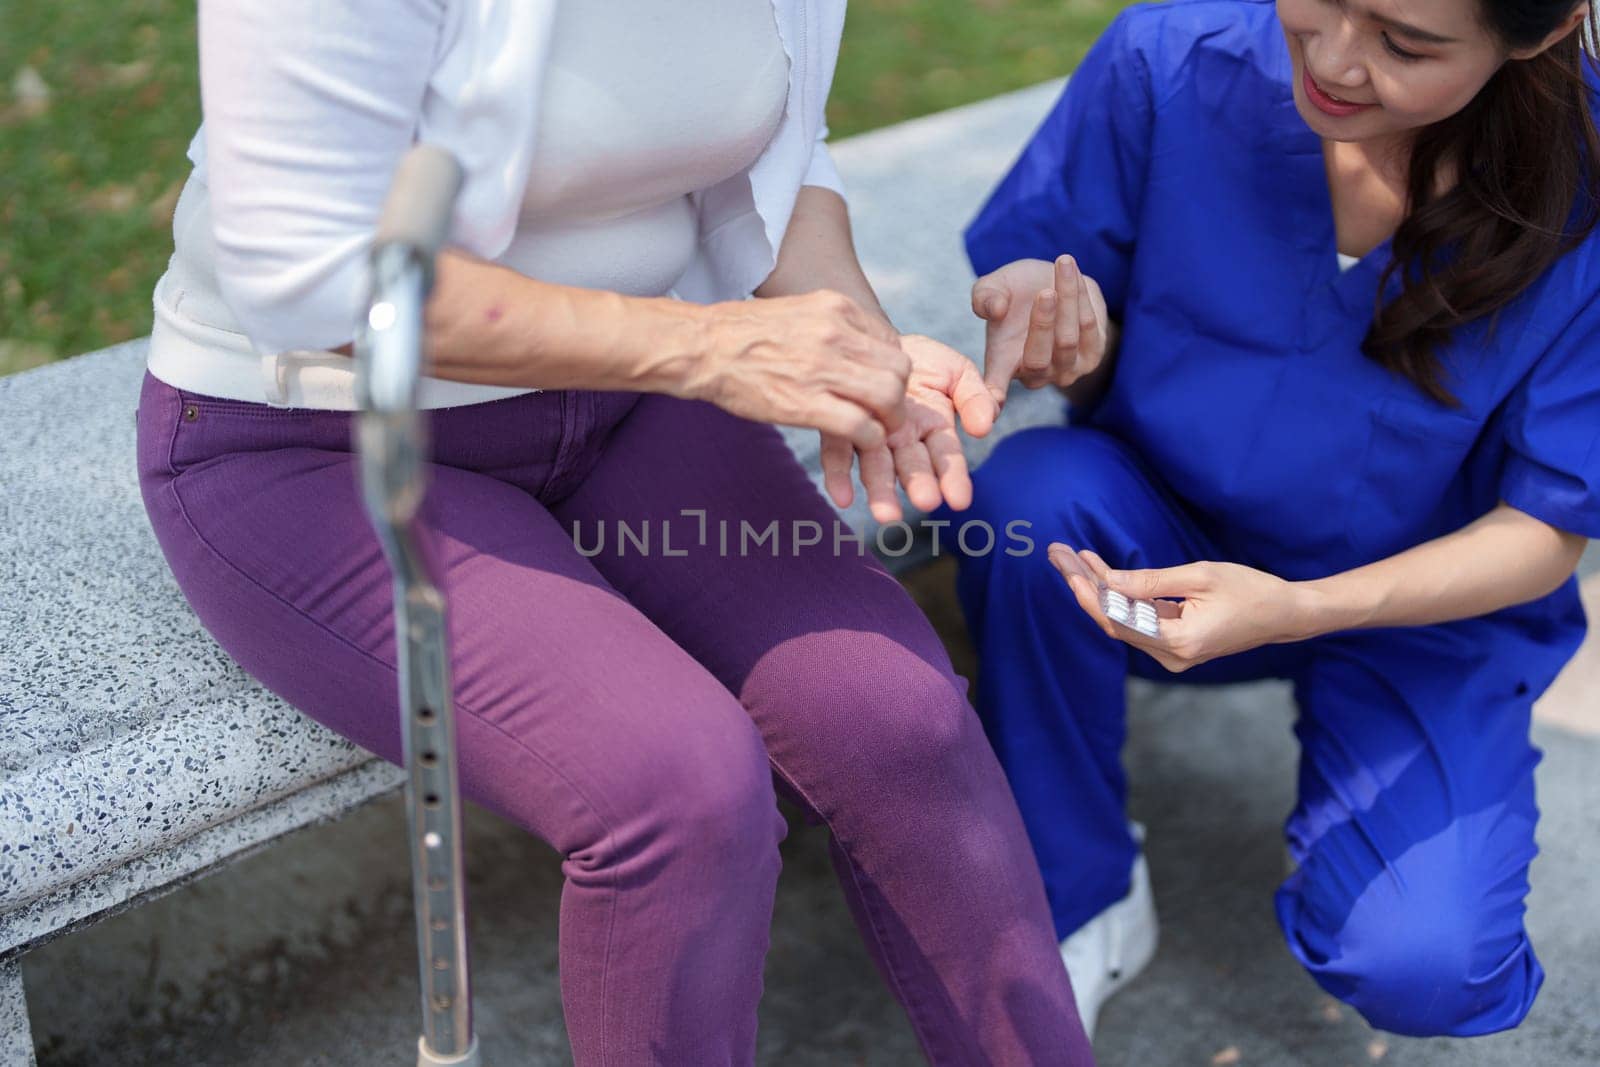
[1177,170]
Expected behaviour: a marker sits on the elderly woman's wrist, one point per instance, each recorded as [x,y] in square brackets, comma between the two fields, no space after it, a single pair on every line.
[668,347]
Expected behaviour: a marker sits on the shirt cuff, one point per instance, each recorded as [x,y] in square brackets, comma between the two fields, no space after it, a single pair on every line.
[1561,502]
[822,171]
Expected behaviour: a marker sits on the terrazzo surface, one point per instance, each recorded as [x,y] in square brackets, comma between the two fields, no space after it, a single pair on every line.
[124,729]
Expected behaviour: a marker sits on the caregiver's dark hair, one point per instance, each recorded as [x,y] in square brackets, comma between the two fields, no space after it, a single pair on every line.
[1528,190]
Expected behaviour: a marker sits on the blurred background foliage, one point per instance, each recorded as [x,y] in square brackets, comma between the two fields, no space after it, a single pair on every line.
[98,100]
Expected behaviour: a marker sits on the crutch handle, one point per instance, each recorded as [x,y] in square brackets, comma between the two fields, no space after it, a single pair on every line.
[421,199]
[412,226]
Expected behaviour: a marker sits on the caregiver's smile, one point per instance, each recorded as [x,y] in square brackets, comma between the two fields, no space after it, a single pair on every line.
[1328,103]
[1366,69]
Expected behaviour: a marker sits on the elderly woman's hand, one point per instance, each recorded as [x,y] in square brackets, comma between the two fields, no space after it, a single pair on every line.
[816,360]
[925,452]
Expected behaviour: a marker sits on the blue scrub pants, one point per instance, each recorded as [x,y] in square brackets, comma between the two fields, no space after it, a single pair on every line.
[1414,825]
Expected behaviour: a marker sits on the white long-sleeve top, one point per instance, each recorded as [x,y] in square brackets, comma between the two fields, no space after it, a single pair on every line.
[639,145]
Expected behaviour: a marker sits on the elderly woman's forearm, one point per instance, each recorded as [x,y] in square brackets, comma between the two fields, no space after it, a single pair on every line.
[819,252]
[769,360]
[488,324]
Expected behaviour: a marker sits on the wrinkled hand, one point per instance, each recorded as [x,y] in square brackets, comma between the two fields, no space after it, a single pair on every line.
[817,360]
[1225,607]
[1046,324]
[924,453]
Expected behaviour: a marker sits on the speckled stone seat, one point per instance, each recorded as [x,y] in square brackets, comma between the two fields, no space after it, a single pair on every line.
[134,755]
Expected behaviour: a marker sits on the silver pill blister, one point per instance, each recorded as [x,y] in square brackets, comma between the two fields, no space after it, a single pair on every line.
[1137,615]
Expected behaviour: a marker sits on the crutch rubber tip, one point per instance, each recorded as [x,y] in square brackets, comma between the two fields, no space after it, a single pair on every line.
[468,1058]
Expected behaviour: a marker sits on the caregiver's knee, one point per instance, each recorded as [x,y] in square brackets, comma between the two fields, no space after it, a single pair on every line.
[1432,971]
[1049,475]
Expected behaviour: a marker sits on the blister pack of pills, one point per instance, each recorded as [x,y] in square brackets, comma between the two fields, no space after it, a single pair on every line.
[1135,614]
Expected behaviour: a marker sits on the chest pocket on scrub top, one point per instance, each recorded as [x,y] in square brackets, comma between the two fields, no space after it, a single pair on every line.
[1414,455]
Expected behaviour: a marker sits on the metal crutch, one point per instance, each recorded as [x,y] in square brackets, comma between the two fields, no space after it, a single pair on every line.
[391,441]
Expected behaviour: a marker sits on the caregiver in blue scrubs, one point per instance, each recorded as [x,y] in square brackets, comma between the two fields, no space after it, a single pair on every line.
[1322,283]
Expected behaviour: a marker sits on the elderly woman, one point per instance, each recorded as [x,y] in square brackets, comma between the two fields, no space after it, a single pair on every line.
[635,709]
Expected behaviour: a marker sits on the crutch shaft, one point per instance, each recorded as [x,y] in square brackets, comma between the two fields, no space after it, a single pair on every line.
[393,448]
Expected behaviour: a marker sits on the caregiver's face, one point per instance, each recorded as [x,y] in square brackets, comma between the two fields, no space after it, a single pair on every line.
[1366,69]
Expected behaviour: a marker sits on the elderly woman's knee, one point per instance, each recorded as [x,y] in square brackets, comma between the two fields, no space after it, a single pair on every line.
[869,699]
[727,808]
[697,786]
[927,721]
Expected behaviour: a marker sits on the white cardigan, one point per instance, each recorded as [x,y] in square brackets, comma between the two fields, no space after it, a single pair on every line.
[311,103]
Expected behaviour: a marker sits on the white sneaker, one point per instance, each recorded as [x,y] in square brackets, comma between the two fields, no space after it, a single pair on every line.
[1110,950]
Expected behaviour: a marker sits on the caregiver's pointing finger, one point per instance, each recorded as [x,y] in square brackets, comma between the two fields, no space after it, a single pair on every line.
[999,359]
[1002,299]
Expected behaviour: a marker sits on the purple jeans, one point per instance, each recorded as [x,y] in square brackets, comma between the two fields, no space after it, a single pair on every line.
[636,709]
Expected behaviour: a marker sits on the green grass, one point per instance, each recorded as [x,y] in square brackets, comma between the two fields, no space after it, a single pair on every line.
[87,183]
[903,58]
[88,178]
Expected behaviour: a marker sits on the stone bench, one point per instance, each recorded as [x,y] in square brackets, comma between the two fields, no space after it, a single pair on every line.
[134,755]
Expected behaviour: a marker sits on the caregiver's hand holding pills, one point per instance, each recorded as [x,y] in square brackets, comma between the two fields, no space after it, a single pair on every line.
[1046,325]
[1225,607]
